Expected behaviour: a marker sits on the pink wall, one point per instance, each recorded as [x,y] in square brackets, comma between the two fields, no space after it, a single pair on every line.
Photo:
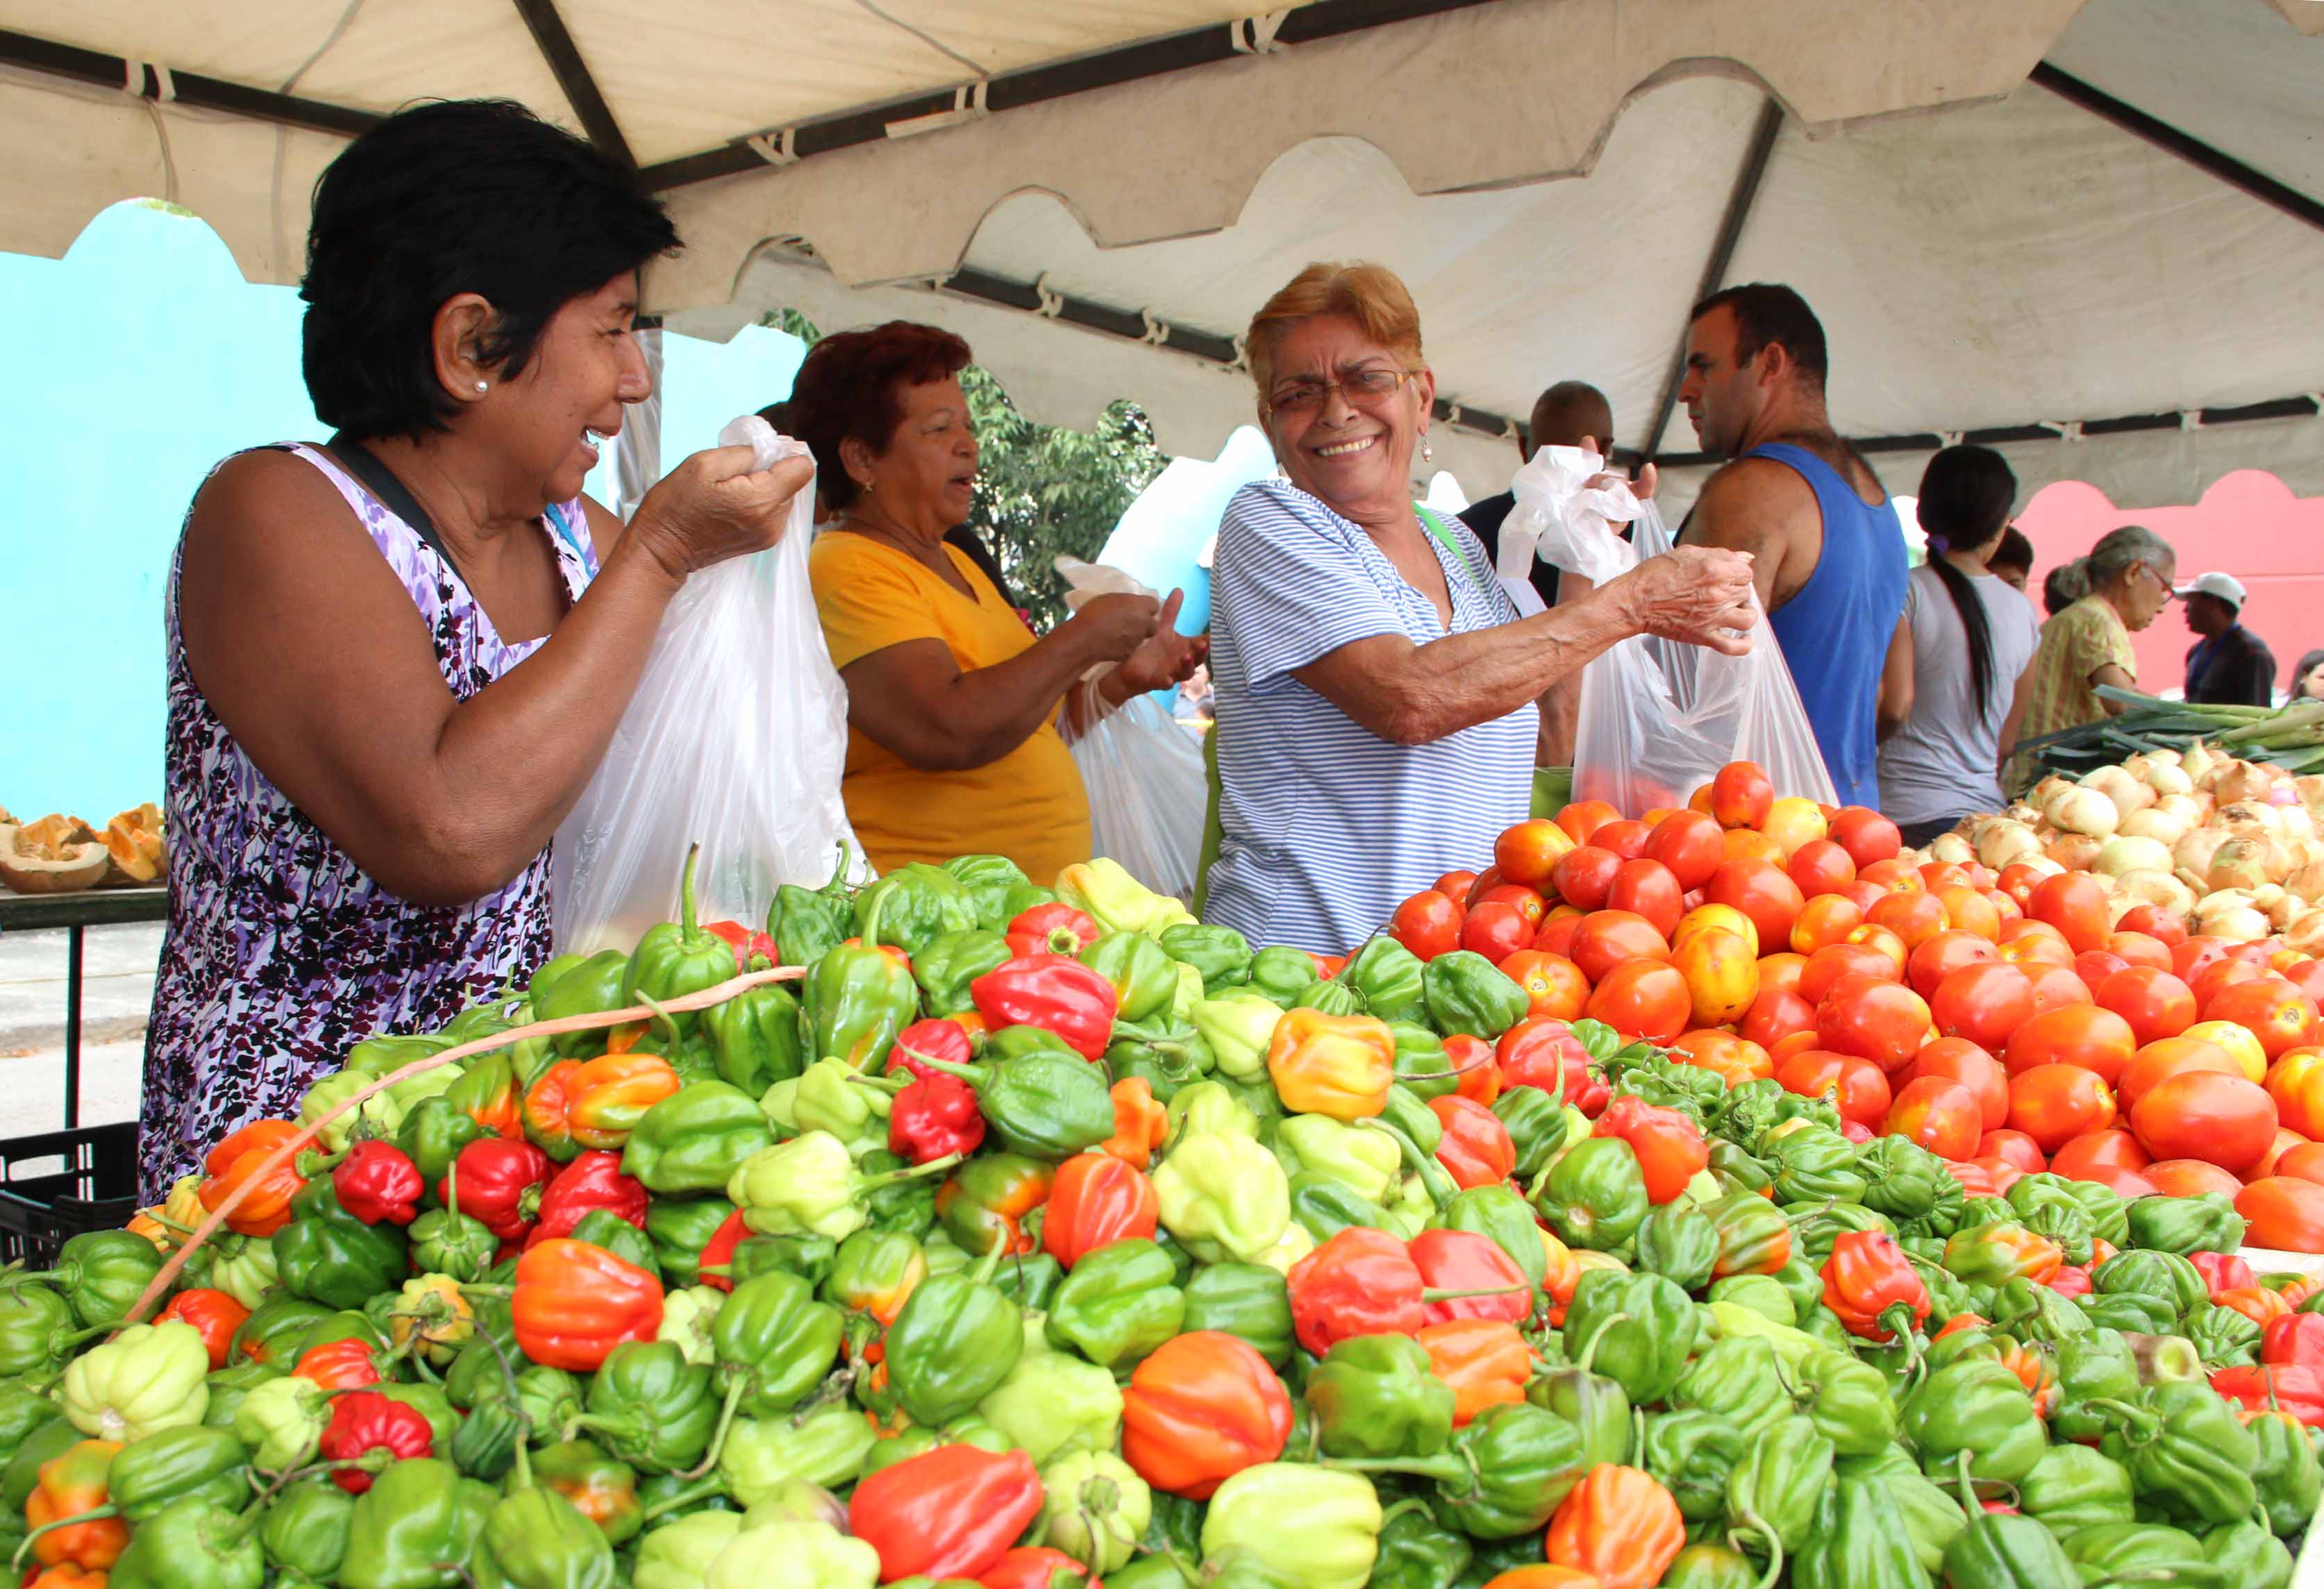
[2248,524]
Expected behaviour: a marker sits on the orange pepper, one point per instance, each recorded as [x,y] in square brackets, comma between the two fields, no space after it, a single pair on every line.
[1096,1200]
[1548,1576]
[1486,1361]
[548,1109]
[238,1161]
[2256,1303]
[1337,1065]
[1475,1065]
[143,1224]
[1139,1123]
[608,1095]
[214,1316]
[65,1575]
[2033,1368]
[71,1483]
[1563,1274]
[574,1303]
[2102,1249]
[1200,1408]
[1618,1524]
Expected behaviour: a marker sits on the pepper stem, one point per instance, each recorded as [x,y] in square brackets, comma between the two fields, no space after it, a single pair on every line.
[689,923]
[661,1017]
[869,1184]
[669,1503]
[1440,1187]
[1434,1296]
[94,1514]
[967,1073]
[718,1437]
[1753,1523]
[1589,1344]
[1446,1467]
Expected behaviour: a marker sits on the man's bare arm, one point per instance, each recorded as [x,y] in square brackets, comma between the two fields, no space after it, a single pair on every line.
[1757,505]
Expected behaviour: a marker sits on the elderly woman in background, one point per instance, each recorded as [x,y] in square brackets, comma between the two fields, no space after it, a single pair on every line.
[957,713]
[362,780]
[1377,691]
[2127,576]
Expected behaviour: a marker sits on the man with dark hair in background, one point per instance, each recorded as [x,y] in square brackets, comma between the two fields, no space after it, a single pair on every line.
[2228,666]
[1827,547]
[1571,414]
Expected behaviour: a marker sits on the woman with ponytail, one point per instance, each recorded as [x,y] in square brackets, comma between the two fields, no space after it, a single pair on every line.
[1954,687]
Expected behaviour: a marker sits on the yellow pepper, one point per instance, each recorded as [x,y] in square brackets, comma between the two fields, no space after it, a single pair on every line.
[1337,1065]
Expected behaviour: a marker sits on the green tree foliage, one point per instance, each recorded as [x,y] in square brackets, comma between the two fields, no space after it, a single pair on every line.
[1042,490]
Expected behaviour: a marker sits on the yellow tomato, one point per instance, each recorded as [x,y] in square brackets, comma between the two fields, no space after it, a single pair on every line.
[1717,918]
[1793,821]
[1722,975]
[2240,1041]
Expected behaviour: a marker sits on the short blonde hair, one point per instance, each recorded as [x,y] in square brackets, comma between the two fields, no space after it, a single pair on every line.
[1370,295]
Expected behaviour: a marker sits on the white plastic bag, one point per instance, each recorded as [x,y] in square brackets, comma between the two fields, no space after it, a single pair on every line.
[1658,718]
[1143,773]
[735,740]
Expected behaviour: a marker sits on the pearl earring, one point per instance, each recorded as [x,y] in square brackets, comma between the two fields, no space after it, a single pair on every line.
[483,386]
[1427,452]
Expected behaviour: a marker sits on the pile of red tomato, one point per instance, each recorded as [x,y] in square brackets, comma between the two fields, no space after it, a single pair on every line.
[2008,1022]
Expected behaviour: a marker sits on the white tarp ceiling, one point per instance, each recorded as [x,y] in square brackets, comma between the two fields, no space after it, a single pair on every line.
[2013,259]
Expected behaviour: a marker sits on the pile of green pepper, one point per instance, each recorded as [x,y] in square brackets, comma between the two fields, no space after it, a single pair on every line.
[1040,1235]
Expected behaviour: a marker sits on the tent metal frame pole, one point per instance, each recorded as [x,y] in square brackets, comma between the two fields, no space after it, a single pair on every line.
[555,41]
[1739,200]
[2161,134]
[95,67]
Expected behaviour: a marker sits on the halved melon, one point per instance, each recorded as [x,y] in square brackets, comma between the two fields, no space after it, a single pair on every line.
[56,855]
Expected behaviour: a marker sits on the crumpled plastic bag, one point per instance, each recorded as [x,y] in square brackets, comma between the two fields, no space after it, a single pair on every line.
[736,739]
[1142,772]
[1658,718]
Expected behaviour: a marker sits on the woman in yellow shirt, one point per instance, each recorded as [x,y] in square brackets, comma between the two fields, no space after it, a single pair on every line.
[957,713]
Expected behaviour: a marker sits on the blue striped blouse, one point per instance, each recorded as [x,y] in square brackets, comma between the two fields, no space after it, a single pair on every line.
[1325,826]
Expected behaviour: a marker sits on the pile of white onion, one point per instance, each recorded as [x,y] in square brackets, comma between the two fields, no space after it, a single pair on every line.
[2231,846]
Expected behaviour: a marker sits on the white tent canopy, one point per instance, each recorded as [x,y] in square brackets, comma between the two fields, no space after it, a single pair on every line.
[1105,191]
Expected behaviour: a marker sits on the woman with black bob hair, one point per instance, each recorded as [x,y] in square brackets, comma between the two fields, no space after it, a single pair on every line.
[396,657]
[1954,687]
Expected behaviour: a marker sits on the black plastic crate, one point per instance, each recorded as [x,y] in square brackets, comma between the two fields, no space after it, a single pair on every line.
[61,1183]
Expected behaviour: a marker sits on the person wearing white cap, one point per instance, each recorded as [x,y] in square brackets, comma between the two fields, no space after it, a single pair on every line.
[2228,666]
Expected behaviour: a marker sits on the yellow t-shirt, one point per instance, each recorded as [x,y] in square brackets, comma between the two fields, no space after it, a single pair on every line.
[1029,806]
[2075,644]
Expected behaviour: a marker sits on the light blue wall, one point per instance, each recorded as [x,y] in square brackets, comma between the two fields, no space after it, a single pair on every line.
[134,363]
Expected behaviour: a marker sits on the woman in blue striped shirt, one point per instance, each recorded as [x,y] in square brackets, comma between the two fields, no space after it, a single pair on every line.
[1377,721]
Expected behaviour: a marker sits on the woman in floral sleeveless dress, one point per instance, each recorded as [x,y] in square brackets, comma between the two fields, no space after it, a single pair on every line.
[395,661]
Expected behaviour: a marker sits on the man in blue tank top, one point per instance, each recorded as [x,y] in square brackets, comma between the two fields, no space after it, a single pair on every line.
[1828,551]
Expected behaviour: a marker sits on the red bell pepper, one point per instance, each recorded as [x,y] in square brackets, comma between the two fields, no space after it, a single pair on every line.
[1670,1147]
[747,943]
[346,1364]
[1059,995]
[498,1183]
[1475,1148]
[718,1251]
[942,1039]
[2291,1388]
[1541,1050]
[1463,1260]
[1361,1282]
[1874,1288]
[378,1181]
[216,1316]
[951,1513]
[1038,1566]
[364,1421]
[2072,1279]
[2223,1272]
[1095,1201]
[1051,929]
[2296,1339]
[934,1116]
[591,1182]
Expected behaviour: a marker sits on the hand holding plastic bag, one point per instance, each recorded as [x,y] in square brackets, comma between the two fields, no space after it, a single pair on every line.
[1706,685]
[1142,772]
[737,734]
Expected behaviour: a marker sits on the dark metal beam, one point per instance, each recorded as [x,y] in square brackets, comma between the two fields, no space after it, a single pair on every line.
[1739,200]
[1995,436]
[112,71]
[1131,327]
[2216,162]
[1103,69]
[555,41]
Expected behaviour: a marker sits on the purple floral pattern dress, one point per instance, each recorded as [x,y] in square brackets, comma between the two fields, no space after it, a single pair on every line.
[281,953]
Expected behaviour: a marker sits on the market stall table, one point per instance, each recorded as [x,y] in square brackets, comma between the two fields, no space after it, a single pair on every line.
[75,913]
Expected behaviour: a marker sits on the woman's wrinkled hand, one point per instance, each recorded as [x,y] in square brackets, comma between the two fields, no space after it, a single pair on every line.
[1166,657]
[1701,595]
[713,507]
[1114,627]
